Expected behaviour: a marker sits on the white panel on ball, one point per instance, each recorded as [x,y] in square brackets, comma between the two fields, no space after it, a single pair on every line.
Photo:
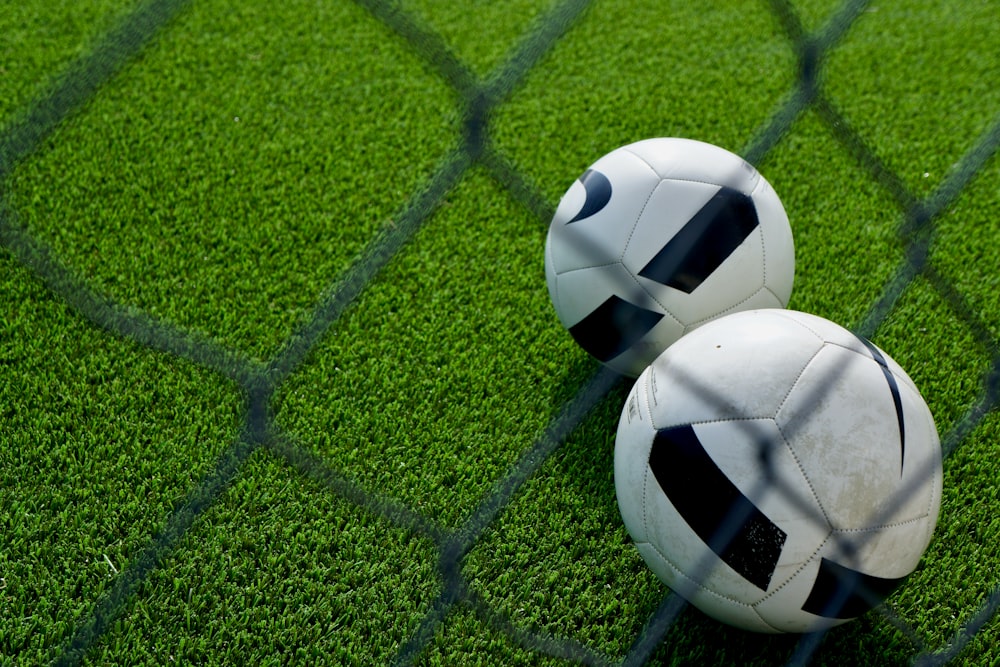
[687,159]
[670,206]
[843,397]
[718,359]
[578,241]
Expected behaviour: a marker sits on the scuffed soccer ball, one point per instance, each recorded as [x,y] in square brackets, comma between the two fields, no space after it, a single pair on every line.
[658,237]
[777,471]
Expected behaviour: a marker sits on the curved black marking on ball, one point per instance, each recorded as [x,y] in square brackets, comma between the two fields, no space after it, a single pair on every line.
[613,327]
[842,593]
[718,512]
[598,189]
[897,400]
[705,241]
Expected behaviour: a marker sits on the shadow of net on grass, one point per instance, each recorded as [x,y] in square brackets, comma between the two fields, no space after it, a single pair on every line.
[19,140]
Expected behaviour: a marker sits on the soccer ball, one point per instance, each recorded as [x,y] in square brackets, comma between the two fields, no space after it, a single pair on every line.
[658,237]
[777,471]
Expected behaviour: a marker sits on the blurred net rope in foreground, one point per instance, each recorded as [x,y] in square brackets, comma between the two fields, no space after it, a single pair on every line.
[479,97]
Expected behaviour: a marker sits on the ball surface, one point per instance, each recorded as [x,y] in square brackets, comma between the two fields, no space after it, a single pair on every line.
[777,471]
[658,237]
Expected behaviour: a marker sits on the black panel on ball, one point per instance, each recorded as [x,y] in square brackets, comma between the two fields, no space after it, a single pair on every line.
[705,242]
[715,509]
[843,593]
[598,193]
[613,327]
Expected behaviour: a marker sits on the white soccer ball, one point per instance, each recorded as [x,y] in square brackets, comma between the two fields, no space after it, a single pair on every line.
[658,237]
[777,471]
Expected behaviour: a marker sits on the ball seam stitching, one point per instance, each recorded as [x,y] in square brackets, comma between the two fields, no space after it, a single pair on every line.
[791,388]
[872,529]
[732,307]
[805,476]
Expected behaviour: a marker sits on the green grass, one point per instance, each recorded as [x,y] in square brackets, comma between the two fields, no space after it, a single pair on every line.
[398,494]
[101,440]
[229,593]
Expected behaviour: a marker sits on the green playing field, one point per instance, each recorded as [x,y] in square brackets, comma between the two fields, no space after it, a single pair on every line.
[280,381]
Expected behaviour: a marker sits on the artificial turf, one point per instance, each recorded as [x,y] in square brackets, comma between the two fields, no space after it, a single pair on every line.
[430,480]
